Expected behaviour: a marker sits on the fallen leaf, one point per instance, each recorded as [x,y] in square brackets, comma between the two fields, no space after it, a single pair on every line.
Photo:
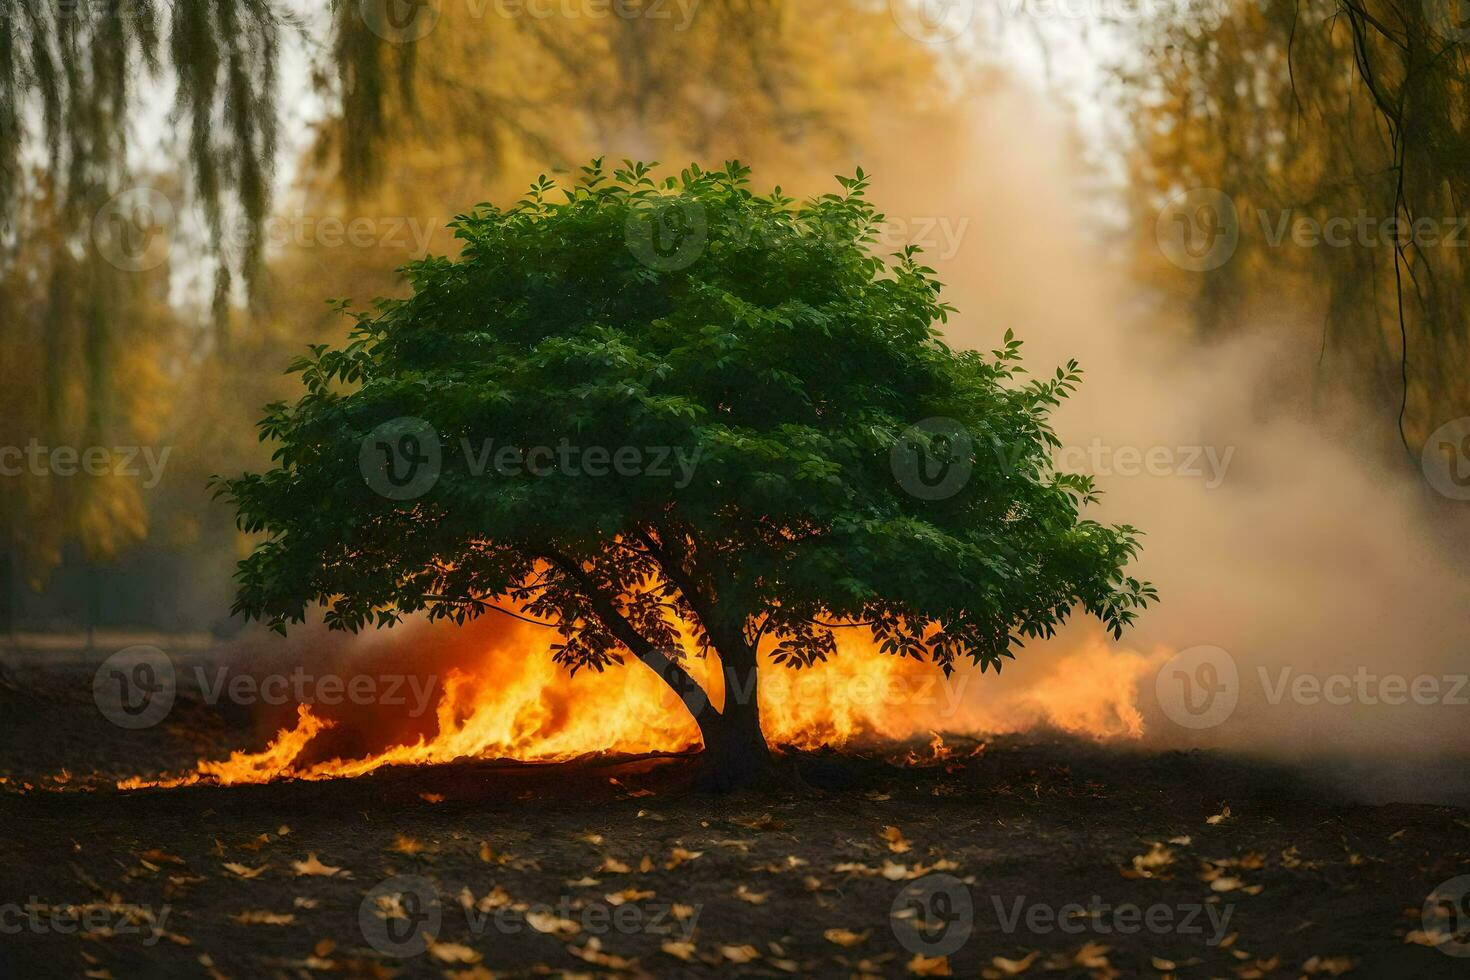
[1011,968]
[1220,817]
[404,844]
[754,898]
[846,937]
[627,895]
[680,951]
[435,798]
[263,918]
[243,871]
[613,866]
[896,842]
[740,954]
[311,866]
[929,966]
[552,924]
[679,855]
[451,952]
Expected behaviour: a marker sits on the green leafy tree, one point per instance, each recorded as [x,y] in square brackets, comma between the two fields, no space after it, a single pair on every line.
[758,342]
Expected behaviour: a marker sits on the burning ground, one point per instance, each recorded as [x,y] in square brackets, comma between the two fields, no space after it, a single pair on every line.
[1076,854]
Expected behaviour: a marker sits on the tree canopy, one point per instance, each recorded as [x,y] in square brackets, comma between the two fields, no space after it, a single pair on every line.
[754,337]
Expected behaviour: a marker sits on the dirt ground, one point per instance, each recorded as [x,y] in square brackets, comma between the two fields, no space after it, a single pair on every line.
[1035,855]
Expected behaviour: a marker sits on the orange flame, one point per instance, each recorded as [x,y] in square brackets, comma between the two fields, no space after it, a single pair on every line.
[515,704]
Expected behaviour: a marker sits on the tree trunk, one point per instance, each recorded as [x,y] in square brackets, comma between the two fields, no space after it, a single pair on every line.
[735,752]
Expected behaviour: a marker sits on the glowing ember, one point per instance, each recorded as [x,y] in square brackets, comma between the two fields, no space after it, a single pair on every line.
[509,703]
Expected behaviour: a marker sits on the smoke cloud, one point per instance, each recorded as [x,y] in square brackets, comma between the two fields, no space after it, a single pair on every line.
[1304,576]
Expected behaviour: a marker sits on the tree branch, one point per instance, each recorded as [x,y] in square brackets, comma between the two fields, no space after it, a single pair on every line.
[672,673]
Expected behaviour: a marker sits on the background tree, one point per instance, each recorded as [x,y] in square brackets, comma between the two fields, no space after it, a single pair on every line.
[772,349]
[1321,110]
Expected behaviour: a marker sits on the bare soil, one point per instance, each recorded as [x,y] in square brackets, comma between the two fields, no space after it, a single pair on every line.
[1100,859]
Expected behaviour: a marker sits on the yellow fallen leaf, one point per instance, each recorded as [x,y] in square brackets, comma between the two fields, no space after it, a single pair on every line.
[552,924]
[740,954]
[846,937]
[1332,966]
[754,898]
[311,866]
[404,844]
[929,966]
[896,842]
[243,871]
[1223,815]
[679,855]
[627,895]
[680,951]
[451,952]
[613,866]
[1157,859]
[1011,968]
[260,917]
[1163,965]
[893,871]
[432,797]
